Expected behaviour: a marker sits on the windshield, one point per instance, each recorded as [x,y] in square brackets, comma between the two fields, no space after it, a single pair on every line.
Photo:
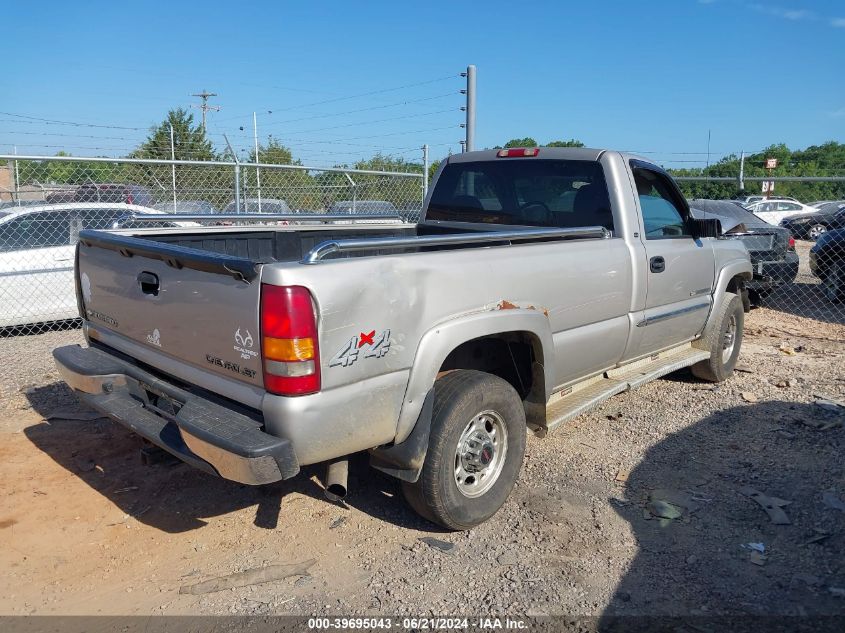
[525,192]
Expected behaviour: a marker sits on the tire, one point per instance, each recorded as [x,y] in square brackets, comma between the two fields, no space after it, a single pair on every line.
[816,231]
[834,283]
[462,399]
[723,356]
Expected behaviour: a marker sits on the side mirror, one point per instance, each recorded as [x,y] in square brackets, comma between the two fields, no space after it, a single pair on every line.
[711,227]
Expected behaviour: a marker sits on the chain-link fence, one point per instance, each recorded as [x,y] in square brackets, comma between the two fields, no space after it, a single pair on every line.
[46,201]
[798,252]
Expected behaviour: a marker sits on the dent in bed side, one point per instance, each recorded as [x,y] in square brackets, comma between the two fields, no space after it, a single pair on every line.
[437,343]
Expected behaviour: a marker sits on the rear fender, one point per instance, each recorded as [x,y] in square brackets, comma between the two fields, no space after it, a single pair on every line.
[437,343]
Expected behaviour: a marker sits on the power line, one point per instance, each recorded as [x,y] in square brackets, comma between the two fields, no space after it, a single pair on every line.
[380,107]
[77,124]
[355,96]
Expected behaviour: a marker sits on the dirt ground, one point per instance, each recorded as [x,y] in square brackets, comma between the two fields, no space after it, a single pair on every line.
[87,528]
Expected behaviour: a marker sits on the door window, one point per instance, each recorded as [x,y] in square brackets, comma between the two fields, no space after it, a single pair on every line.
[36,230]
[662,208]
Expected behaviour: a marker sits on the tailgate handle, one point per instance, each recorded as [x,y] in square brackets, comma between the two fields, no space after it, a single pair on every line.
[149,283]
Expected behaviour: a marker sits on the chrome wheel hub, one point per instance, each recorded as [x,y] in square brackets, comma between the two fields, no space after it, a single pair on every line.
[480,454]
[729,340]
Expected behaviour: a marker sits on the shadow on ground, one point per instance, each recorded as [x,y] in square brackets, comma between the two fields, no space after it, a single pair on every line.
[700,563]
[174,497]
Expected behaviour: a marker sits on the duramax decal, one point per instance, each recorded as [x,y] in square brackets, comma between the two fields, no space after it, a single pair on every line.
[373,344]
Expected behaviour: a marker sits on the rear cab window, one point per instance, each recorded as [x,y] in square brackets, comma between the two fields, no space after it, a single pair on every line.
[523,192]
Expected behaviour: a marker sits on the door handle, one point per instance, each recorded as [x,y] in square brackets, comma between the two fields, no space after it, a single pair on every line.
[149,283]
[657,264]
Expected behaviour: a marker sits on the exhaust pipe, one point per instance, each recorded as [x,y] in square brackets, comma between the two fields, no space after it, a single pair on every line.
[336,476]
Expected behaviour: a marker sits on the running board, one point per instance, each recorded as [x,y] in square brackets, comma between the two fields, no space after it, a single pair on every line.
[584,396]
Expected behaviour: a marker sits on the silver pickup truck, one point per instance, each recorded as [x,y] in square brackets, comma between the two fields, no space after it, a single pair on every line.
[539,283]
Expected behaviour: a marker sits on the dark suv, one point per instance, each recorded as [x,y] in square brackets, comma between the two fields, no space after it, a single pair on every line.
[114,192]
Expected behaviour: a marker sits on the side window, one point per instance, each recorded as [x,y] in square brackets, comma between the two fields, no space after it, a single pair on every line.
[788,206]
[44,230]
[663,211]
[11,236]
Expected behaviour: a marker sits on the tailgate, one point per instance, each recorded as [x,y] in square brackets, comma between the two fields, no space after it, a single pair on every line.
[190,305]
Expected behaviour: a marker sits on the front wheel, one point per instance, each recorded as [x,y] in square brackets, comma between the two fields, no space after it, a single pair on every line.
[834,283]
[723,338]
[475,450]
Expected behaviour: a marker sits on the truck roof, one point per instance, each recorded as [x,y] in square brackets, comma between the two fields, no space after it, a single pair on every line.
[560,153]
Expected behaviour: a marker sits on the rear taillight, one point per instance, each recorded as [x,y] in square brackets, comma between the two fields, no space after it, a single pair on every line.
[515,152]
[289,341]
[129,198]
[791,244]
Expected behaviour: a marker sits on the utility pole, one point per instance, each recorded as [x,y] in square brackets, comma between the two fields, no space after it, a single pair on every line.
[742,171]
[469,91]
[204,95]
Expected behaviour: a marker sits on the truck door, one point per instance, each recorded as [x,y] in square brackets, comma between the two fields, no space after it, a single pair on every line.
[680,271]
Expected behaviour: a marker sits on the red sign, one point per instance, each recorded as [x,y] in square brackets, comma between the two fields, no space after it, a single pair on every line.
[771,163]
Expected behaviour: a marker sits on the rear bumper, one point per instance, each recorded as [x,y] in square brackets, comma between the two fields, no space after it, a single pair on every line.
[771,274]
[202,433]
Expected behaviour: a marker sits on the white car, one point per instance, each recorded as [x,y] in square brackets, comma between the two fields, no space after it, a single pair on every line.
[37,246]
[773,211]
[749,200]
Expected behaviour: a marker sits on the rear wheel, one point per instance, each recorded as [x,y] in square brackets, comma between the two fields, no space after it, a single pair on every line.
[816,231]
[834,283]
[475,450]
[723,338]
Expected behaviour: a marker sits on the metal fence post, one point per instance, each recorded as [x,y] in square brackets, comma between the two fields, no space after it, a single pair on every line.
[425,170]
[173,166]
[237,176]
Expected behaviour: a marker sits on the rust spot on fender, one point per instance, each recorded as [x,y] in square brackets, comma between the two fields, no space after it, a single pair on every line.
[504,304]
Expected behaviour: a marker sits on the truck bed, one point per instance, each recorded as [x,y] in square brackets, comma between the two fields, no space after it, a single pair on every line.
[263,245]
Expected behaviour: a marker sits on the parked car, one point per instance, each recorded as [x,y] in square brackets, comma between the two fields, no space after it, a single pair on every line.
[363,206]
[773,211]
[537,285]
[114,192]
[827,262]
[7,205]
[251,205]
[186,206]
[809,226]
[746,200]
[36,257]
[771,248]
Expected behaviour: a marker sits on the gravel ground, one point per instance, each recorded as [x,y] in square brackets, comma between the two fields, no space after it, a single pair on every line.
[90,529]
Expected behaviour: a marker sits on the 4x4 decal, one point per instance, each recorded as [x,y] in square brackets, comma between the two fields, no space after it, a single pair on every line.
[373,344]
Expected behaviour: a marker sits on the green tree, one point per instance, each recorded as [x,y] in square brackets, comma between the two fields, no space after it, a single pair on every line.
[521,142]
[274,152]
[189,139]
[817,160]
[570,143]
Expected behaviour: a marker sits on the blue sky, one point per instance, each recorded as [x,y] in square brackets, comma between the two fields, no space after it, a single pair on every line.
[644,76]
